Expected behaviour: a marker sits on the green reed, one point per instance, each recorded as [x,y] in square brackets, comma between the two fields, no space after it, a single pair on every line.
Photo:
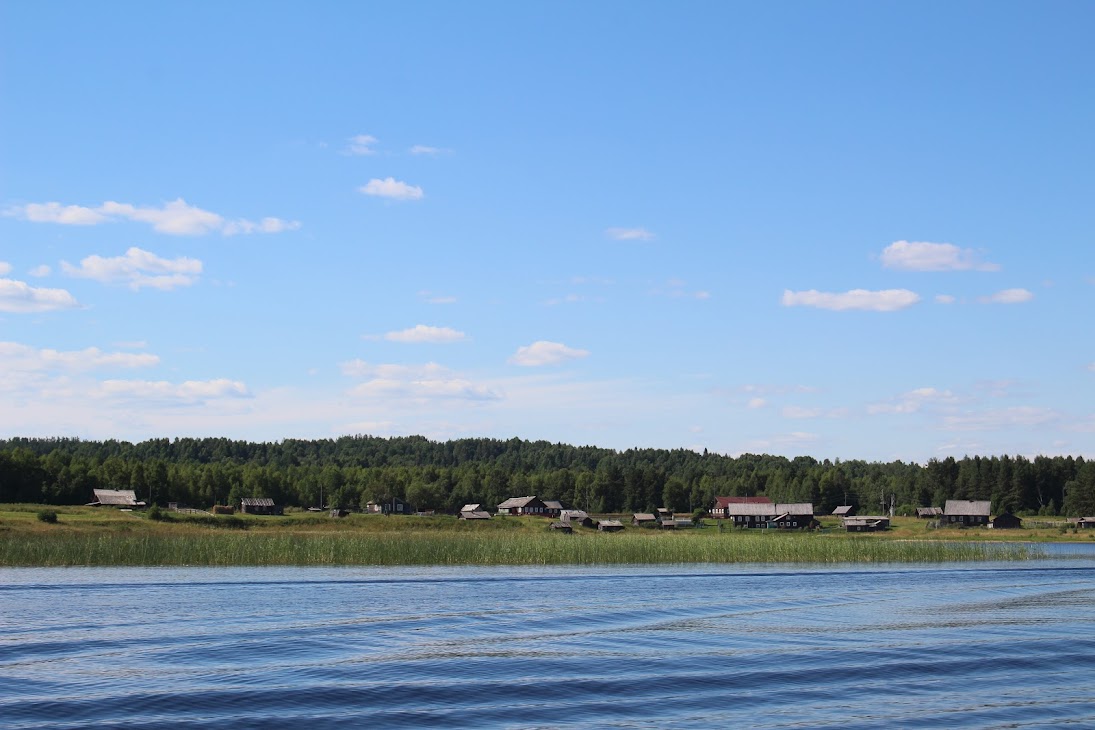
[218,548]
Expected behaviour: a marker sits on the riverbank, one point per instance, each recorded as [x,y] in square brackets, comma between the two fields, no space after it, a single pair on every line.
[99,537]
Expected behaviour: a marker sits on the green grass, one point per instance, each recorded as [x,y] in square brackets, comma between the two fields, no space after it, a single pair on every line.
[466,547]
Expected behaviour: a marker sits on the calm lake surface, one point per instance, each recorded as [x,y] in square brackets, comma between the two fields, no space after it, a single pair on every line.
[955,645]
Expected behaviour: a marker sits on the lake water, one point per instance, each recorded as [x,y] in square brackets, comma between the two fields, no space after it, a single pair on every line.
[955,646]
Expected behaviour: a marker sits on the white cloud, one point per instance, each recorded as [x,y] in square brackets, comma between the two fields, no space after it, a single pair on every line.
[425,333]
[1008,296]
[886,300]
[417,383]
[543,352]
[422,149]
[944,299]
[434,298]
[191,391]
[392,189]
[19,297]
[176,218]
[800,412]
[924,256]
[755,403]
[24,358]
[5,268]
[629,234]
[137,269]
[361,144]
[40,271]
[996,419]
[912,401]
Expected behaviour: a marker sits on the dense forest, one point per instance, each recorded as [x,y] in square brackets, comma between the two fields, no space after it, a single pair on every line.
[351,471]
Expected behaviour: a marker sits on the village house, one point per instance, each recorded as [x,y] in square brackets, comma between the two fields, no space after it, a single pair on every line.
[1084,522]
[563,527]
[644,519]
[392,506]
[576,517]
[474,512]
[966,512]
[846,510]
[721,503]
[553,507]
[754,514]
[259,506]
[929,513]
[866,523]
[610,526]
[116,498]
[524,506]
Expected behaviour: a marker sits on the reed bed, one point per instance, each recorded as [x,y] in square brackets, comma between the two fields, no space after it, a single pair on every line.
[217,548]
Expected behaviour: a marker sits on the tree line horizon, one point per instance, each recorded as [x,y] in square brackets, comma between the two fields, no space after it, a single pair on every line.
[351,471]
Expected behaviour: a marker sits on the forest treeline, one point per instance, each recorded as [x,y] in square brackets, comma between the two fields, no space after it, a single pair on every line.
[353,470]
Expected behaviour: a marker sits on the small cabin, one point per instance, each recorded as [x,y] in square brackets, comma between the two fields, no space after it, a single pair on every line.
[259,506]
[610,526]
[1085,523]
[392,506]
[1006,521]
[845,510]
[929,513]
[644,519]
[966,512]
[474,515]
[553,507]
[563,527]
[866,523]
[576,517]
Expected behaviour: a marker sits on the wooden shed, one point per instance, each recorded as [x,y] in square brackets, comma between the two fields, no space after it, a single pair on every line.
[563,527]
[866,523]
[1006,521]
[259,506]
[576,517]
[116,498]
[644,519]
[610,526]
[475,515]
[929,513]
[845,510]
[553,507]
[391,506]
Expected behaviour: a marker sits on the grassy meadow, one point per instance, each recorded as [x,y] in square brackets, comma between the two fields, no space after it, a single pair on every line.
[84,536]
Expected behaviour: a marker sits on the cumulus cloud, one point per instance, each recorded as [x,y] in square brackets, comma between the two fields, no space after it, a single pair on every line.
[361,144]
[886,300]
[190,391]
[924,256]
[392,189]
[425,333]
[543,352]
[418,383]
[629,234]
[21,298]
[24,358]
[176,218]
[1008,296]
[137,269]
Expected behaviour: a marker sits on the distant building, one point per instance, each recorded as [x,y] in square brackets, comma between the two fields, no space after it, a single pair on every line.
[563,527]
[866,523]
[929,513]
[610,525]
[116,498]
[760,514]
[966,512]
[576,517]
[846,510]
[644,519]
[259,506]
[392,506]
[475,515]
[524,506]
[552,507]
[1085,522]
[1006,521]
[721,503]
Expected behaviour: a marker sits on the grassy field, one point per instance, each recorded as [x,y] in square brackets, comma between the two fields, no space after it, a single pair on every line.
[107,537]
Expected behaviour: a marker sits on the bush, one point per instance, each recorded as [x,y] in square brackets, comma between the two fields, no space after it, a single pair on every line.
[48,516]
[155,513]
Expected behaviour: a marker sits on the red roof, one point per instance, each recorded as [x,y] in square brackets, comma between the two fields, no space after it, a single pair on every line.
[722,502]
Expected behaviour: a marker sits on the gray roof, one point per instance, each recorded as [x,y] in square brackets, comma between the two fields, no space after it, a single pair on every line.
[553,504]
[471,507]
[474,515]
[921,511]
[573,514]
[121,497]
[967,508]
[769,510]
[843,509]
[610,523]
[257,501]
[515,502]
[644,516]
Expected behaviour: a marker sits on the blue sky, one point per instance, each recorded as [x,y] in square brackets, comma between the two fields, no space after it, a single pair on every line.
[854,230]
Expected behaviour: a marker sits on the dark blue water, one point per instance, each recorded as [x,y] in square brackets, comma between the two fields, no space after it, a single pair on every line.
[970,645]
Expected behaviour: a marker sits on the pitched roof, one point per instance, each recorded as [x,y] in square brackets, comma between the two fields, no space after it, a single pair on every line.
[471,507]
[553,504]
[515,502]
[644,517]
[122,497]
[843,509]
[722,502]
[928,511]
[610,523]
[474,515]
[768,510]
[573,514]
[967,508]
[257,501]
